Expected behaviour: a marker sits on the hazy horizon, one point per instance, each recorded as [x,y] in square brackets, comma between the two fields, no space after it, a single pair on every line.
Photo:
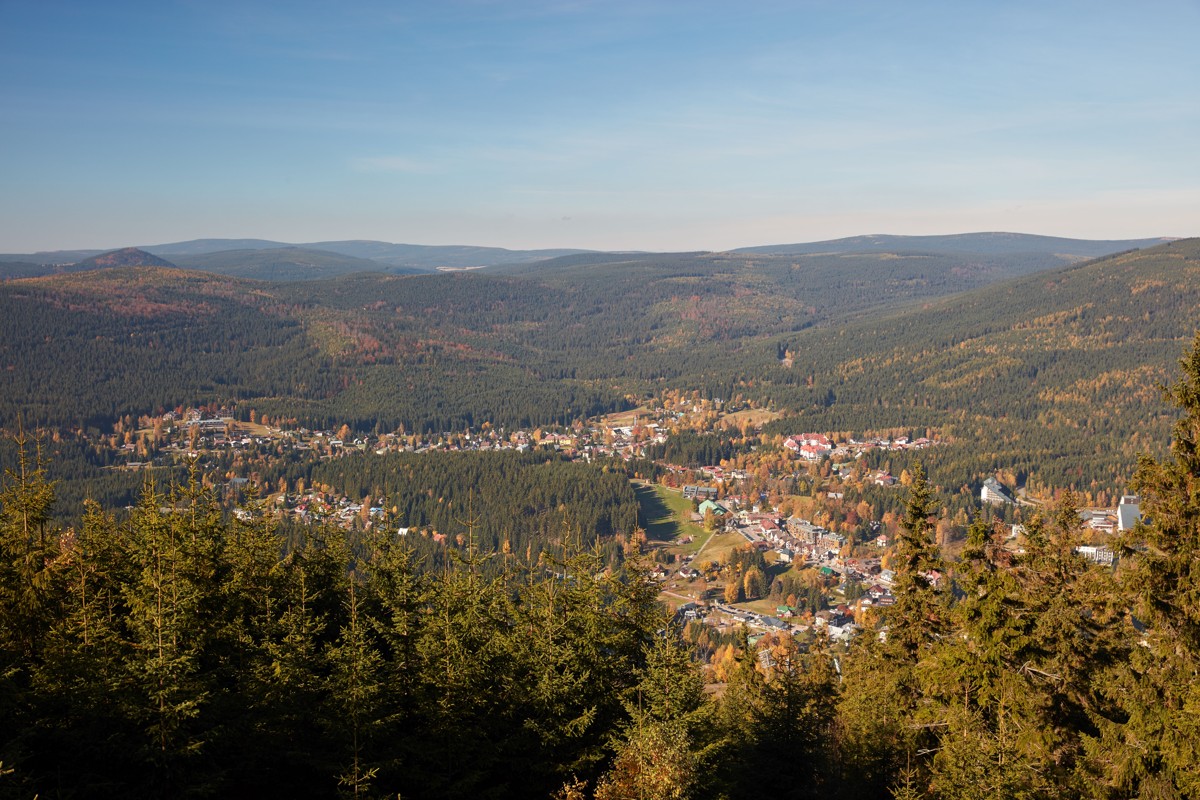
[313,244]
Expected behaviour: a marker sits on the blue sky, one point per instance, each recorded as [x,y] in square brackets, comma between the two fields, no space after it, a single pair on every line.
[608,125]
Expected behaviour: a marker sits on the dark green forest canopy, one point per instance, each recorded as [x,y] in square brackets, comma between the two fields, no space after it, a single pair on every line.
[522,502]
[182,652]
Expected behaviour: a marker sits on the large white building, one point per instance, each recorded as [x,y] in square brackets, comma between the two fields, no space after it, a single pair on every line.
[1128,512]
[992,492]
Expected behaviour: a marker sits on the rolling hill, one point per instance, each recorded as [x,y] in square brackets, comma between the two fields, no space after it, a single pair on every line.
[431,257]
[36,265]
[125,257]
[417,258]
[413,256]
[271,260]
[983,244]
[282,264]
[917,266]
[49,257]
[200,247]
[1050,375]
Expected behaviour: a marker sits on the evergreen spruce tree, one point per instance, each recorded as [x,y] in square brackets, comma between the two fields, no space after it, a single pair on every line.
[167,633]
[776,718]
[976,684]
[1154,751]
[355,695]
[1017,680]
[297,726]
[397,607]
[582,634]
[742,704]
[918,617]
[886,720]
[246,597]
[663,750]
[29,599]
[467,674]
[28,548]
[82,680]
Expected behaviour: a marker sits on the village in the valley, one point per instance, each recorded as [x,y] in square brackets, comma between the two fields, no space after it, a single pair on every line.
[728,545]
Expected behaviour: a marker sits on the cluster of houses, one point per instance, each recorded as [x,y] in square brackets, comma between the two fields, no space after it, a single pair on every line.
[1109,521]
[1113,520]
[837,623]
[721,475]
[317,507]
[817,446]
[790,540]
[809,446]
[192,430]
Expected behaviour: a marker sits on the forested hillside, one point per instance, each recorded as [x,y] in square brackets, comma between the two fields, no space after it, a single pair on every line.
[82,349]
[1052,376]
[438,351]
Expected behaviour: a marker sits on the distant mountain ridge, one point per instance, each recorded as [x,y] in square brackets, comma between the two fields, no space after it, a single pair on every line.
[984,243]
[284,264]
[426,257]
[246,258]
[1001,254]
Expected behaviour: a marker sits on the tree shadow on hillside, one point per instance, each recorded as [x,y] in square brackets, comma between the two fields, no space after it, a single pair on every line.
[655,516]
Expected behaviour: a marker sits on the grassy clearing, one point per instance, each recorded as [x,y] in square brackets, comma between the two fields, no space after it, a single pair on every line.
[240,428]
[753,416]
[761,606]
[623,419]
[716,548]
